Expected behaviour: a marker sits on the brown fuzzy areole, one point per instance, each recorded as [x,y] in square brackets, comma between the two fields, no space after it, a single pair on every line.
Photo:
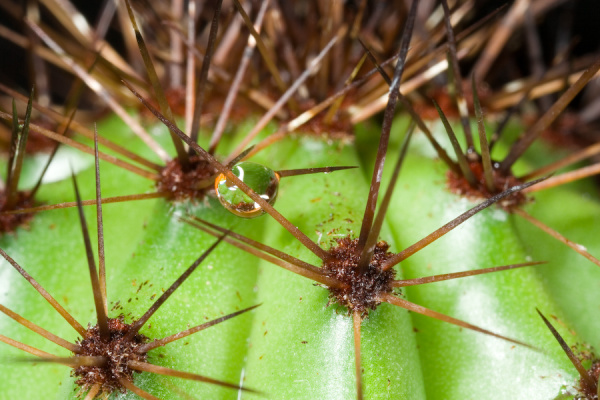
[10,222]
[594,371]
[183,185]
[117,351]
[363,290]
[460,186]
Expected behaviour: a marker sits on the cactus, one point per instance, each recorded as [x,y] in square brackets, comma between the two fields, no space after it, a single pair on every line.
[275,333]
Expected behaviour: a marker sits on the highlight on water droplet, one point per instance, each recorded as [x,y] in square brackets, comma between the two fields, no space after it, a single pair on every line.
[264,181]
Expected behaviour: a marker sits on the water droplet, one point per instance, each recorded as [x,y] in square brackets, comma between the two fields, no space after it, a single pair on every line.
[264,181]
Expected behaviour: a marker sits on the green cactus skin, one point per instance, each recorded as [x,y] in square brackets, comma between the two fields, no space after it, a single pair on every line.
[465,364]
[571,279]
[314,351]
[294,346]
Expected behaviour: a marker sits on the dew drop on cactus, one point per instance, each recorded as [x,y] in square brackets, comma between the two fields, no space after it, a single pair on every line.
[264,181]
